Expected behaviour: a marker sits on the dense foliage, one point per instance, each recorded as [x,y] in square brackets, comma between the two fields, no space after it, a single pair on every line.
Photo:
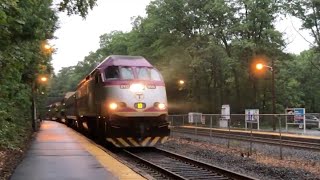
[212,44]
[25,27]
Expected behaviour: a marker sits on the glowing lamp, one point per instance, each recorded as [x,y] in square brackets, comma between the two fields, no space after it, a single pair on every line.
[43,79]
[161,106]
[47,46]
[259,66]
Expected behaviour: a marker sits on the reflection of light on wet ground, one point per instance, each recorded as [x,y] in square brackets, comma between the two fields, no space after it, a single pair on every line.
[50,132]
[45,126]
[51,137]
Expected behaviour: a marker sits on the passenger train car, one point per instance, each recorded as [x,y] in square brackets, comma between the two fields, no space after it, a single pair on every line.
[123,100]
[53,111]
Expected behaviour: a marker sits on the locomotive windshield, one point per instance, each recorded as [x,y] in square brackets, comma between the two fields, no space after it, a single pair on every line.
[126,73]
[142,73]
[145,73]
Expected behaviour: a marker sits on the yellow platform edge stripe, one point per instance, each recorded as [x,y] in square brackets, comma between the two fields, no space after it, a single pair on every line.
[283,133]
[118,169]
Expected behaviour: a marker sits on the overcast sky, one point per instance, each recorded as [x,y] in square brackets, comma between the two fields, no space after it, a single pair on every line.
[77,37]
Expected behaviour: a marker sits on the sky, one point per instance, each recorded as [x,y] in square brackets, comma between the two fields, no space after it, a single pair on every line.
[76,37]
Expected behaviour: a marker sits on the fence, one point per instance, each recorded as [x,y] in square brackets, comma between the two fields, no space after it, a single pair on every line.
[261,122]
[275,123]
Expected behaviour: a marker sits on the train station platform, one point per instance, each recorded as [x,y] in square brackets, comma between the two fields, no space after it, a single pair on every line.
[59,152]
[311,134]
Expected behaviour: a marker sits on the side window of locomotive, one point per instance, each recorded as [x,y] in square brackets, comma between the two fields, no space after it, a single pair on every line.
[112,72]
[98,78]
[143,73]
[155,75]
[126,73]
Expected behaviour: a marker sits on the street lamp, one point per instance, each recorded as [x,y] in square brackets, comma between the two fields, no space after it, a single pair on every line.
[41,79]
[181,82]
[46,48]
[260,66]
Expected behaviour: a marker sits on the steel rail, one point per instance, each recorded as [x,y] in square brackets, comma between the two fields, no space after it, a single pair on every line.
[181,167]
[154,166]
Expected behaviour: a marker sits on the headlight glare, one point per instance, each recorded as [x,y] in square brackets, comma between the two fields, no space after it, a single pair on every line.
[161,106]
[136,87]
[113,106]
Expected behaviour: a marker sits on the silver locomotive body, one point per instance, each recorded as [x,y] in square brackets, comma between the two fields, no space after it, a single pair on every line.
[122,101]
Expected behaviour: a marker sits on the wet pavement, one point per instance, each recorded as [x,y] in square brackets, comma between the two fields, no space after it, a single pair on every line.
[60,153]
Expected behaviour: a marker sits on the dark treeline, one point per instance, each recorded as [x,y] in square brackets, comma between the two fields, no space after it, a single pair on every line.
[25,28]
[211,45]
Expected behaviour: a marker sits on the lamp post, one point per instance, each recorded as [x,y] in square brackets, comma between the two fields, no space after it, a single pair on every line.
[42,79]
[260,66]
[33,106]
[181,84]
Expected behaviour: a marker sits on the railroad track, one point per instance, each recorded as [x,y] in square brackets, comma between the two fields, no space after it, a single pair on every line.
[162,164]
[285,141]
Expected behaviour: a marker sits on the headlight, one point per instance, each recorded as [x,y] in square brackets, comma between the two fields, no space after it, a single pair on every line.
[113,106]
[136,87]
[160,106]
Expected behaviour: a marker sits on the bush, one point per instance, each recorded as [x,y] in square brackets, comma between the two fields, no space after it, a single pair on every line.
[13,135]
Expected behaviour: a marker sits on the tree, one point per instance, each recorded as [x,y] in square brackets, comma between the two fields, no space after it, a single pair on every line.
[77,6]
[25,26]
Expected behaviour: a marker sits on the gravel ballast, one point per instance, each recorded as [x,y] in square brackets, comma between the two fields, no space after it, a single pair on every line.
[264,163]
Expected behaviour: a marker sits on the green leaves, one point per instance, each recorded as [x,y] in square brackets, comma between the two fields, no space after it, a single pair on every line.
[80,7]
[211,45]
[24,27]
[308,12]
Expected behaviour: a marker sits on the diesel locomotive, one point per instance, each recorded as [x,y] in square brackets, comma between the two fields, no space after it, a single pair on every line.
[123,101]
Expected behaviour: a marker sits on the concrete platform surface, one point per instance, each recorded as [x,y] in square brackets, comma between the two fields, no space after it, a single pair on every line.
[296,133]
[58,152]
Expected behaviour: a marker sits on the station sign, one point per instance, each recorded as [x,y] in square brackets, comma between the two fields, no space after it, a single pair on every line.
[252,115]
[296,116]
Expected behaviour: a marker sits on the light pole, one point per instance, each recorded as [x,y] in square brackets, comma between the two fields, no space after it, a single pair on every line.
[42,79]
[33,106]
[260,66]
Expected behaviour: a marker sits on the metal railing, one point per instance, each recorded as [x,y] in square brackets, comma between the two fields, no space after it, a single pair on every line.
[251,124]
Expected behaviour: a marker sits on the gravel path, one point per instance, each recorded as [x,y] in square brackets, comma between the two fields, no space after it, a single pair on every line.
[264,163]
